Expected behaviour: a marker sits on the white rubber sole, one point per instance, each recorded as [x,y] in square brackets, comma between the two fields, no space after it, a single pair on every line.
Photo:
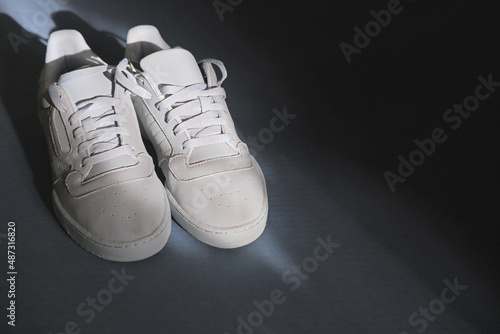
[142,249]
[232,238]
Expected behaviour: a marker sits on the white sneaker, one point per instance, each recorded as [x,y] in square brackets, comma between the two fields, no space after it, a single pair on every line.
[106,194]
[216,189]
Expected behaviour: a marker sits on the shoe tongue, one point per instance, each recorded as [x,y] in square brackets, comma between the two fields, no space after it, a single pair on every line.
[87,83]
[175,67]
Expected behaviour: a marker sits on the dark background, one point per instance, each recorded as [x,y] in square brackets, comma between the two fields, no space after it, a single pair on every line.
[324,171]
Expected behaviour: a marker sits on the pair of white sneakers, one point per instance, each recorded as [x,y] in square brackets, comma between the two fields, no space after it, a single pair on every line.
[106,193]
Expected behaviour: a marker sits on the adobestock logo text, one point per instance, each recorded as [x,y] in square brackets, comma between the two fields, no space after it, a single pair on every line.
[292,278]
[420,319]
[426,147]
[87,310]
[363,37]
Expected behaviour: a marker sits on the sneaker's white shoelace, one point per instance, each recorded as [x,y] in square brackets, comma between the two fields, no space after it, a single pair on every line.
[99,127]
[197,111]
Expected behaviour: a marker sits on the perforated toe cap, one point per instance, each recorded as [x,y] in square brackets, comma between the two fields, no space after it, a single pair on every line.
[120,214]
[224,201]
